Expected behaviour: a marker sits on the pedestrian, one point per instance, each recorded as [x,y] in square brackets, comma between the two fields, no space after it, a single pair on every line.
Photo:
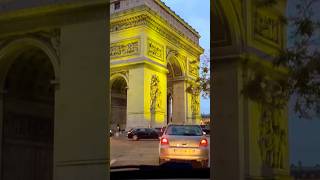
[118,128]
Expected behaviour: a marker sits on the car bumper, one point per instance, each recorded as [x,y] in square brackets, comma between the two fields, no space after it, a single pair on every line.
[176,153]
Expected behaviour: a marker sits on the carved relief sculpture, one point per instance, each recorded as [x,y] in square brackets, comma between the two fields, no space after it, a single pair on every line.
[145,20]
[266,27]
[124,48]
[193,68]
[155,49]
[272,140]
[155,94]
[195,104]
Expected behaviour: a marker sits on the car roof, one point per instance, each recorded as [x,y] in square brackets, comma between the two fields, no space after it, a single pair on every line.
[182,124]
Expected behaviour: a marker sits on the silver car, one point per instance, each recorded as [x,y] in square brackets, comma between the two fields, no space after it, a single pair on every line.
[184,142]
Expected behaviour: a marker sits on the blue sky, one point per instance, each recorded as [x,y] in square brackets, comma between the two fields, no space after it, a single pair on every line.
[304,136]
[197,14]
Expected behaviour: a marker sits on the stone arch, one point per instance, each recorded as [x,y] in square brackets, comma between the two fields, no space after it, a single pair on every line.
[175,65]
[118,75]
[227,17]
[27,68]
[119,87]
[176,94]
[14,46]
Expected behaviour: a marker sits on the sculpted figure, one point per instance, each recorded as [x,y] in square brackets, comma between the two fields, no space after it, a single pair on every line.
[155,93]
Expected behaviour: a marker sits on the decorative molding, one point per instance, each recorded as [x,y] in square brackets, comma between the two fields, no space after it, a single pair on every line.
[51,37]
[155,49]
[125,48]
[56,41]
[123,73]
[266,28]
[146,20]
[182,60]
[128,23]
[194,68]
[191,37]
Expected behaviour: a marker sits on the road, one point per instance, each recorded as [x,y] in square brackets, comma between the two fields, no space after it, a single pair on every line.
[128,152]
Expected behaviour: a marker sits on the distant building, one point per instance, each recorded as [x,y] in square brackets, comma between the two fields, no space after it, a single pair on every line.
[305,173]
[154,58]
[205,119]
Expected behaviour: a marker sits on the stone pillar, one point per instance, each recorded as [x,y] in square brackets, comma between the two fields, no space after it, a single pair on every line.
[135,99]
[228,145]
[179,102]
[80,135]
[237,132]
[139,113]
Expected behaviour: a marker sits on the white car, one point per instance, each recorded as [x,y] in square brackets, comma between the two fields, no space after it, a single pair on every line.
[184,143]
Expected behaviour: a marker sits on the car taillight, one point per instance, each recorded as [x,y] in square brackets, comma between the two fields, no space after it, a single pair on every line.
[204,142]
[164,141]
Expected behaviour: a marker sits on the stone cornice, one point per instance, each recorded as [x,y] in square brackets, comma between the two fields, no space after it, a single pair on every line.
[144,16]
[43,18]
[135,61]
[160,9]
[14,8]
[162,4]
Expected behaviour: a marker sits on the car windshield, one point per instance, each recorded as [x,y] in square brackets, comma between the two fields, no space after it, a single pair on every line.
[184,130]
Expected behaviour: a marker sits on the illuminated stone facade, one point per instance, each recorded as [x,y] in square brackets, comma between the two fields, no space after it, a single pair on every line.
[53,94]
[250,142]
[157,53]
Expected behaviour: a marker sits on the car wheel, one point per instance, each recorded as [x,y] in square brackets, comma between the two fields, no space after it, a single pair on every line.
[135,137]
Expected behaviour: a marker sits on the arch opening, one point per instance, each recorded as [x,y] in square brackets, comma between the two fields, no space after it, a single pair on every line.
[28,117]
[175,72]
[119,103]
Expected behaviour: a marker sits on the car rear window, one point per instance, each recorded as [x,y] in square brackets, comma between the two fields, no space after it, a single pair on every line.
[184,130]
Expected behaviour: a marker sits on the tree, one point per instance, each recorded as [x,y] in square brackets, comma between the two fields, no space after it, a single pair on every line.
[298,64]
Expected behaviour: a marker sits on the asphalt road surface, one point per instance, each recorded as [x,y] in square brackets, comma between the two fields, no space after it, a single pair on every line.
[128,152]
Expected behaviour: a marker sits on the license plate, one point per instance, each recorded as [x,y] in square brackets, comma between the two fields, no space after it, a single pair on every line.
[183,151]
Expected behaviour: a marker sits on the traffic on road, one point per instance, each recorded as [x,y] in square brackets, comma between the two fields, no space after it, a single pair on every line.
[160,146]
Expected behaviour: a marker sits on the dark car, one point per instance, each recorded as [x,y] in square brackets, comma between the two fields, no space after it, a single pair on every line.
[158,130]
[163,129]
[205,128]
[143,133]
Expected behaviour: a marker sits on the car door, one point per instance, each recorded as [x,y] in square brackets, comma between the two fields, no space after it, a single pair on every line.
[154,134]
[149,134]
[142,133]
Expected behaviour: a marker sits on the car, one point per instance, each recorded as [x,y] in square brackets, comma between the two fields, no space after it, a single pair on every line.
[205,128]
[184,143]
[142,133]
[158,130]
[163,129]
